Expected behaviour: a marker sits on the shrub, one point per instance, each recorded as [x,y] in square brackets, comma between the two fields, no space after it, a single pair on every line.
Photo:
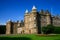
[57,30]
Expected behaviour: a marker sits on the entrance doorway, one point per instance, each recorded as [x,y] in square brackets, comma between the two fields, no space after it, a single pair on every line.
[30,31]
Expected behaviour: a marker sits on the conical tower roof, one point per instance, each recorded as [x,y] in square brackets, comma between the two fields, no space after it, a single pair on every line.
[26,11]
[33,7]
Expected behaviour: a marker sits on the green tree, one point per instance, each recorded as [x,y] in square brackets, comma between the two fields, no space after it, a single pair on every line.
[2,29]
[48,29]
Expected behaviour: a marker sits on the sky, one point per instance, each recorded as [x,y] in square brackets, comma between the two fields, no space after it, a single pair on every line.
[15,9]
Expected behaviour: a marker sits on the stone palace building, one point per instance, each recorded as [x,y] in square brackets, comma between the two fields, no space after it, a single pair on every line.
[32,23]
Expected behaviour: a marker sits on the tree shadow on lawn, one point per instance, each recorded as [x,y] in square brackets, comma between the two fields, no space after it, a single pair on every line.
[15,38]
[57,39]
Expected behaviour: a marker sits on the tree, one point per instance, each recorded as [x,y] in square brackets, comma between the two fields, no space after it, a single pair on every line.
[48,29]
[2,29]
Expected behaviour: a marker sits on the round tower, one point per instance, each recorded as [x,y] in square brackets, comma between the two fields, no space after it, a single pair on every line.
[26,20]
[8,27]
[26,16]
[33,20]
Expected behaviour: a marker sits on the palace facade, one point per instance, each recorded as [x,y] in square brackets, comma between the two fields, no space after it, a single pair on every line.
[32,23]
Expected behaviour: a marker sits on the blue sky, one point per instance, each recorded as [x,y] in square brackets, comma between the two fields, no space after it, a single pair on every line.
[15,9]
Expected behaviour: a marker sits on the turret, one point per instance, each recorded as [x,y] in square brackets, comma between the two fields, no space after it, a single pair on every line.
[48,17]
[34,9]
[19,23]
[26,12]
[41,11]
[26,17]
[47,13]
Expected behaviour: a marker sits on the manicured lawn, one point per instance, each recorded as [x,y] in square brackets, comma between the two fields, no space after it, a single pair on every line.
[29,37]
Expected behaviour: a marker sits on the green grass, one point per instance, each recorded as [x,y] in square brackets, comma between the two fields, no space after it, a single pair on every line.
[29,37]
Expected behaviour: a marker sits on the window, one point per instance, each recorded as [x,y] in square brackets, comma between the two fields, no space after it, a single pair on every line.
[34,24]
[19,30]
[34,17]
[29,19]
